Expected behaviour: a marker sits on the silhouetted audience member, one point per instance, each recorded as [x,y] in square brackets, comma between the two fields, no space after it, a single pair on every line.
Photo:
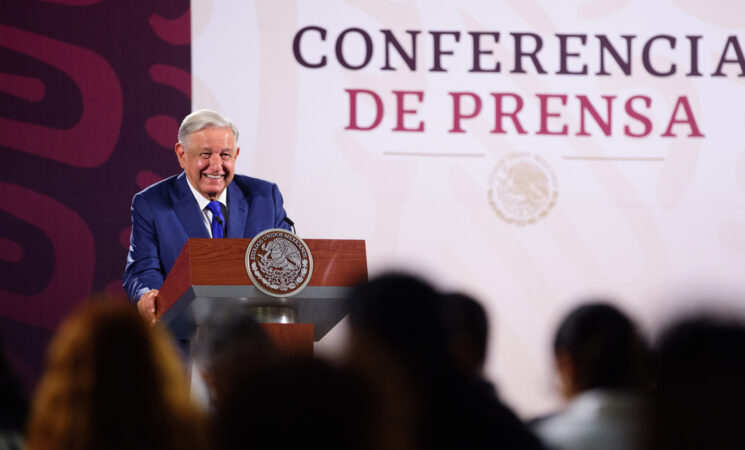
[701,385]
[229,335]
[293,404]
[111,382]
[399,333]
[13,406]
[602,362]
[467,328]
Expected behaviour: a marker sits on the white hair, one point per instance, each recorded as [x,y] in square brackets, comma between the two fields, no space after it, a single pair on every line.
[202,119]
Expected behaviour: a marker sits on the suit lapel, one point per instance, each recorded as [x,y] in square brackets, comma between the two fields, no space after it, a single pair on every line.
[187,209]
[237,211]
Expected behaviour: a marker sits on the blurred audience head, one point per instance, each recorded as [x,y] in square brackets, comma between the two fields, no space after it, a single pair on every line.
[467,329]
[229,337]
[400,314]
[295,403]
[598,346]
[701,384]
[407,337]
[112,381]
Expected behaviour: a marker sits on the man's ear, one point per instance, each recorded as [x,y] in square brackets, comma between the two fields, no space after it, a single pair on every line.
[181,154]
[237,150]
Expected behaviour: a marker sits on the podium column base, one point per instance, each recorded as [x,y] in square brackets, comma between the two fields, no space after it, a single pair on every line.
[295,339]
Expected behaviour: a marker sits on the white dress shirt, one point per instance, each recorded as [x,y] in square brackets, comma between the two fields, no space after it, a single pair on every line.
[206,213]
[598,419]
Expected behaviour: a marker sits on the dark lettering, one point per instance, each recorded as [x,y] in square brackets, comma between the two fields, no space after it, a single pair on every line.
[409,59]
[340,48]
[564,54]
[296,47]
[520,53]
[606,46]
[646,60]
[477,51]
[735,44]
[694,56]
[437,50]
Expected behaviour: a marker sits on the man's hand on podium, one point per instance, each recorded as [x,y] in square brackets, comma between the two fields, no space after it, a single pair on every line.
[146,305]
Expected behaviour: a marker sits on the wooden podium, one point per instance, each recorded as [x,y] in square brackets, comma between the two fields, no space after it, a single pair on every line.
[211,273]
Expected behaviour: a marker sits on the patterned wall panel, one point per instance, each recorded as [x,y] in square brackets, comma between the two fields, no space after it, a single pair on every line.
[91,93]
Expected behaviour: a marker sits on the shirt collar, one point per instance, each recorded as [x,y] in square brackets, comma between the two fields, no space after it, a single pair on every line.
[203,202]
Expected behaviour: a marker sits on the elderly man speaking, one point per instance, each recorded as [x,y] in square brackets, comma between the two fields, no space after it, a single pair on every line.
[206,200]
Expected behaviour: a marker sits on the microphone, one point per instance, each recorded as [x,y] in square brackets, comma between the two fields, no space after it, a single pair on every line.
[290,223]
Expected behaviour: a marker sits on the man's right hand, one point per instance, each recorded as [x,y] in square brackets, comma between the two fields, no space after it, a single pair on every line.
[146,305]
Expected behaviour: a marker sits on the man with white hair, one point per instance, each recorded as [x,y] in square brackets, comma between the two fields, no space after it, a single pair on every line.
[206,200]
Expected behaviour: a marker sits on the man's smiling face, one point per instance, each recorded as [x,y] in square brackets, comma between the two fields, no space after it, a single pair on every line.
[208,158]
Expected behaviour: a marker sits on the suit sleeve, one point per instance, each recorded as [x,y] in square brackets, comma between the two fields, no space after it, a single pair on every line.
[279,210]
[143,271]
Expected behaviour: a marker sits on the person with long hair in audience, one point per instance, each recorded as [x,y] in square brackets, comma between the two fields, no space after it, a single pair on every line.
[111,382]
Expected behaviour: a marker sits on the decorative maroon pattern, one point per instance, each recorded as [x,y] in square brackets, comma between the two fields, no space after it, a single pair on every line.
[27,88]
[99,88]
[72,242]
[145,179]
[73,2]
[10,251]
[90,98]
[172,76]
[174,31]
[162,129]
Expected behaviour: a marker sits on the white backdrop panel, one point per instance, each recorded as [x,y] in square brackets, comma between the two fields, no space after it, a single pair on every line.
[527,223]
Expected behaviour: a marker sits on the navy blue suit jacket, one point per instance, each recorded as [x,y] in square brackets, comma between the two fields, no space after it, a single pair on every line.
[166,214]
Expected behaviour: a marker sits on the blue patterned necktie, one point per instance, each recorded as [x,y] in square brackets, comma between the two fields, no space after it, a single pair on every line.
[218,221]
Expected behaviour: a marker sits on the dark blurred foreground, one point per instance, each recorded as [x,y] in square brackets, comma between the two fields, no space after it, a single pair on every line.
[407,380]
